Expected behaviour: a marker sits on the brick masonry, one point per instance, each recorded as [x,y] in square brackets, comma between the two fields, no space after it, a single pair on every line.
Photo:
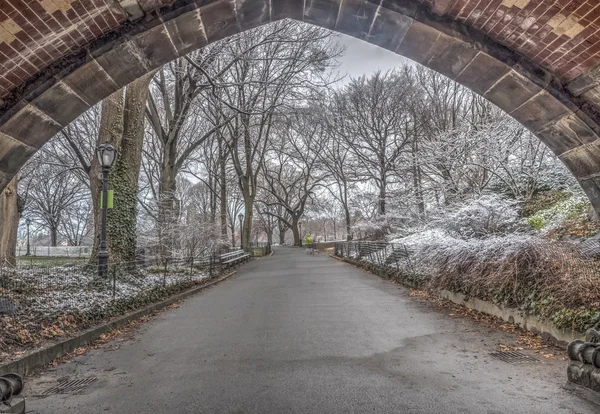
[539,60]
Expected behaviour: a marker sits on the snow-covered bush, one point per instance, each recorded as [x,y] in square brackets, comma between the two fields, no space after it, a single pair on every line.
[483,217]
[533,274]
[371,228]
[536,275]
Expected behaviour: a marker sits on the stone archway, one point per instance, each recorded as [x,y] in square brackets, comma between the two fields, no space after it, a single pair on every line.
[561,106]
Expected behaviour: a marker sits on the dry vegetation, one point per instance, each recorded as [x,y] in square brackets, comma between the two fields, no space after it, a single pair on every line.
[538,276]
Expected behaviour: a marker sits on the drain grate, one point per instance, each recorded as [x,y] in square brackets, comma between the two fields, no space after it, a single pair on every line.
[70,386]
[513,357]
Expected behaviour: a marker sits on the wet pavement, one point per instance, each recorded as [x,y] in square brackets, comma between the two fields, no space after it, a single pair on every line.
[297,333]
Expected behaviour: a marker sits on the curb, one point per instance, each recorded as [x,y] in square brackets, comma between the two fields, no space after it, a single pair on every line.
[39,358]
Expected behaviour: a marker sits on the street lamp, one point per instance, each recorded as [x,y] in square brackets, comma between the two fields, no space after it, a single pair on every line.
[28,222]
[241,217]
[106,154]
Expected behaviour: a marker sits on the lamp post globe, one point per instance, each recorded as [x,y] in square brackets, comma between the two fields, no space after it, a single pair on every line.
[241,217]
[107,154]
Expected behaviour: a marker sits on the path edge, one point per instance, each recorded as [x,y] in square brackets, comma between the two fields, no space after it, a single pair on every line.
[37,359]
[560,338]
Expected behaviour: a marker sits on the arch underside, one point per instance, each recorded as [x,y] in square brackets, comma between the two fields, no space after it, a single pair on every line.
[559,115]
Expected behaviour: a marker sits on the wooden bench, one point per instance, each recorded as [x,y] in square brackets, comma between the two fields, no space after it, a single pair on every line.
[233,258]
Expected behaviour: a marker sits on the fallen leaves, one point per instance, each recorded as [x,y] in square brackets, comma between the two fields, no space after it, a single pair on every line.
[51,331]
[105,339]
[525,339]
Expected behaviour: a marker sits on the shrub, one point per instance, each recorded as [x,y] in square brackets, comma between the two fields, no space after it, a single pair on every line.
[538,276]
[480,218]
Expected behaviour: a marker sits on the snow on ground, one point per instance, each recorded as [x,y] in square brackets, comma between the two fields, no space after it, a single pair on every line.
[64,289]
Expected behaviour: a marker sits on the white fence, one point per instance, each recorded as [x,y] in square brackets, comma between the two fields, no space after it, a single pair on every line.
[57,251]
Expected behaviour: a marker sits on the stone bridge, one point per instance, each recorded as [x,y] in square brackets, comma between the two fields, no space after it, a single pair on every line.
[536,59]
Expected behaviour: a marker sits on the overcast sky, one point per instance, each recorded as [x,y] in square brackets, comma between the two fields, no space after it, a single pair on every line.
[362,58]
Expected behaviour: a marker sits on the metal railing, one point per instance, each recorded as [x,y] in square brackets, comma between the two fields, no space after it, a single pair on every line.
[378,252]
[56,251]
[73,287]
[47,285]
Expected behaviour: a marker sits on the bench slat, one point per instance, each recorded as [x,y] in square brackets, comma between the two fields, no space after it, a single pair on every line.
[236,259]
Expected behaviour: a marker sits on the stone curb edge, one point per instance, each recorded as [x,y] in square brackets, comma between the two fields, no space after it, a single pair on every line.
[39,358]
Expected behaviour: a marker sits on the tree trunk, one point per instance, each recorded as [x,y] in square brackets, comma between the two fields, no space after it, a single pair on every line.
[334,229]
[296,233]
[111,131]
[124,177]
[212,196]
[248,215]
[223,189]
[382,196]
[166,204]
[416,173]
[10,213]
[281,236]
[53,236]
[348,223]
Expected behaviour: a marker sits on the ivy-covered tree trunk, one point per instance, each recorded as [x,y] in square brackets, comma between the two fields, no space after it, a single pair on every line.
[124,175]
[10,213]
[111,131]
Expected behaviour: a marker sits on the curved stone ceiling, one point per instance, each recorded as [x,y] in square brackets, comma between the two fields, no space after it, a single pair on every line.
[536,59]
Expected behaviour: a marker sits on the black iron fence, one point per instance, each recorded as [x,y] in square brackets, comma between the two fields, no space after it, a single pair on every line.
[34,287]
[380,253]
[50,285]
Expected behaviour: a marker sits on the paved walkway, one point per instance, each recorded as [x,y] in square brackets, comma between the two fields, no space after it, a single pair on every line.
[307,334]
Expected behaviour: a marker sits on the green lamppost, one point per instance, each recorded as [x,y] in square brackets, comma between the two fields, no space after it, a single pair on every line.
[106,154]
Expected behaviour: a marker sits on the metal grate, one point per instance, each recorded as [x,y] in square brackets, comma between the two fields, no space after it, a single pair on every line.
[70,386]
[513,357]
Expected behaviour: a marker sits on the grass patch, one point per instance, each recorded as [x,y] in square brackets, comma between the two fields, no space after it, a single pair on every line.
[543,200]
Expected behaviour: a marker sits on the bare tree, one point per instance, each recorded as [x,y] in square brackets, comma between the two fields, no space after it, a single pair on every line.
[291,175]
[269,70]
[52,191]
[373,112]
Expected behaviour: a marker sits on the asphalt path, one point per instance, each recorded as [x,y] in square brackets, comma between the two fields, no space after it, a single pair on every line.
[297,333]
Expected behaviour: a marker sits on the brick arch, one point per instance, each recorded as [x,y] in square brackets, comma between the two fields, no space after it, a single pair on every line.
[558,107]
